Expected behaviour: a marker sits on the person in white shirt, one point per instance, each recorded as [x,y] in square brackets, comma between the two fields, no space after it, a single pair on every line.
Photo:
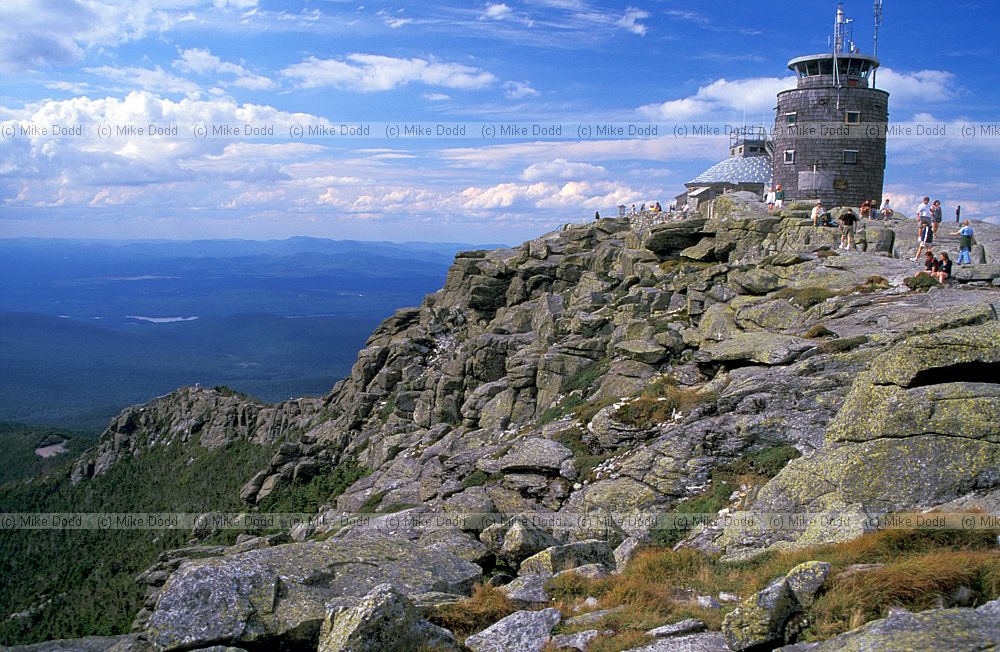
[924,212]
[817,213]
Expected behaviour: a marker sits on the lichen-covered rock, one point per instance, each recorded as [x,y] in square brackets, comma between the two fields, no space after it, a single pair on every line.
[762,619]
[280,595]
[571,555]
[956,630]
[525,631]
[385,619]
[535,455]
[760,347]
[644,351]
[516,539]
[527,590]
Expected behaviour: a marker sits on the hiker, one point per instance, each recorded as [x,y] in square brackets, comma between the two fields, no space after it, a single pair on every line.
[886,210]
[597,215]
[866,209]
[936,215]
[769,197]
[779,197]
[943,270]
[930,264]
[924,240]
[965,243]
[847,222]
[817,213]
[923,212]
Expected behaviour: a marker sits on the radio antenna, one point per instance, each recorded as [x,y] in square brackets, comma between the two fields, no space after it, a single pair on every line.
[878,23]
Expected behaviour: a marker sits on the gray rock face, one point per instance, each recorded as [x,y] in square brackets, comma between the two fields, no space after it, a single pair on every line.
[516,540]
[960,630]
[763,619]
[559,558]
[282,593]
[528,590]
[525,631]
[385,619]
[704,642]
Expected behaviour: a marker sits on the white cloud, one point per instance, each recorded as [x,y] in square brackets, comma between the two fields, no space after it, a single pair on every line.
[148,79]
[754,95]
[516,90]
[372,72]
[562,169]
[630,21]
[497,11]
[919,88]
[436,97]
[203,62]
[393,22]
[570,196]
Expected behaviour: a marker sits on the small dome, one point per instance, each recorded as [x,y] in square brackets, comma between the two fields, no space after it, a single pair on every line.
[738,170]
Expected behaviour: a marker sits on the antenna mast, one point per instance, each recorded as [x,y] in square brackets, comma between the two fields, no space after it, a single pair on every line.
[843,40]
[878,23]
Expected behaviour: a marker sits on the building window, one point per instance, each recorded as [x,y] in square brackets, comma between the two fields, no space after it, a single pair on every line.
[852,117]
[789,156]
[850,157]
[791,118]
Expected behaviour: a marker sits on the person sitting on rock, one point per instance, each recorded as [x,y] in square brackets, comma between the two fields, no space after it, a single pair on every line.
[817,213]
[930,264]
[943,271]
[886,210]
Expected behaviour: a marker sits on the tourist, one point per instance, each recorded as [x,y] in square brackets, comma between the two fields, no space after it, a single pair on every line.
[866,209]
[642,209]
[965,243]
[657,208]
[924,239]
[847,222]
[930,264]
[817,213]
[597,215]
[886,210]
[936,215]
[633,209]
[779,197]
[923,212]
[769,198]
[943,269]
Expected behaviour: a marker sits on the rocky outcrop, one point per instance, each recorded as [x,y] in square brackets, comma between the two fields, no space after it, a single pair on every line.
[595,375]
[280,596]
[525,630]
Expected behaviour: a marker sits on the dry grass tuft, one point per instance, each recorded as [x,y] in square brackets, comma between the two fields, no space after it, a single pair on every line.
[486,606]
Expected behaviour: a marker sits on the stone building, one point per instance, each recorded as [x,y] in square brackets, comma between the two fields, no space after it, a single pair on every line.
[830,131]
[747,168]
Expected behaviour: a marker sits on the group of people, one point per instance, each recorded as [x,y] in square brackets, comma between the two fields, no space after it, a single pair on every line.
[848,224]
[775,198]
[928,222]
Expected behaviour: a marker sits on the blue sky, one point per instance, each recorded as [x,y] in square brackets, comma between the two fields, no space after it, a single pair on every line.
[189,62]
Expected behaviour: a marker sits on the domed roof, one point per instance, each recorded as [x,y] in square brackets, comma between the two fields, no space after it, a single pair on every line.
[737,170]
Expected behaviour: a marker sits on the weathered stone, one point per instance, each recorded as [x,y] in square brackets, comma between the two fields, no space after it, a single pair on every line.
[644,351]
[572,555]
[535,455]
[281,593]
[937,629]
[680,628]
[760,347]
[528,590]
[385,619]
[526,631]
[703,642]
[579,641]
[516,540]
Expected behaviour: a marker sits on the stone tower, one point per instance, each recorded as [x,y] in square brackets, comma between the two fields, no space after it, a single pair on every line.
[830,131]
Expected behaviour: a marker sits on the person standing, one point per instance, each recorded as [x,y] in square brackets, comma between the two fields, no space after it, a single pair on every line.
[923,212]
[924,240]
[964,243]
[769,198]
[847,222]
[936,215]
[779,197]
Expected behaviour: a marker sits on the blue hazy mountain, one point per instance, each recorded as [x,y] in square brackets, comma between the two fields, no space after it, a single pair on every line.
[88,327]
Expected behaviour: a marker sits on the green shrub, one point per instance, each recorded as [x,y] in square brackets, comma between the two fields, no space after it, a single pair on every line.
[920,282]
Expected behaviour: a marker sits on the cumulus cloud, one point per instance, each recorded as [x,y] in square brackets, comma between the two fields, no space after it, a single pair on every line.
[516,90]
[572,196]
[562,169]
[919,88]
[372,72]
[754,95]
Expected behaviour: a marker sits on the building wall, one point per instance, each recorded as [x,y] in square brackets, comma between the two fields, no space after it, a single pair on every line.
[847,184]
